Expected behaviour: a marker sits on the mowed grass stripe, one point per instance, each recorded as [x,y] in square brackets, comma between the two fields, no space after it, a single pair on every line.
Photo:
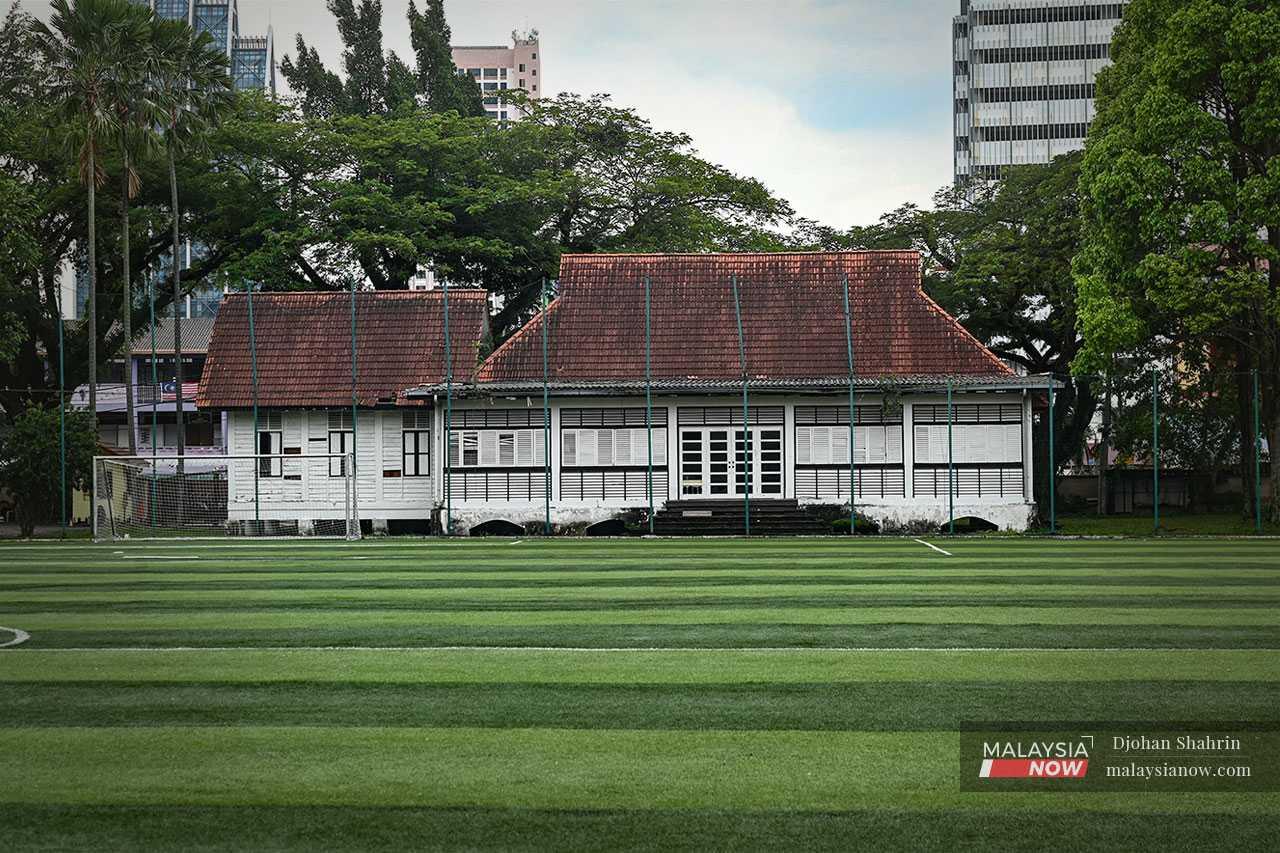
[425,611]
[38,827]
[798,577]
[696,666]
[508,596]
[300,617]
[529,768]
[839,706]
[517,562]
[752,635]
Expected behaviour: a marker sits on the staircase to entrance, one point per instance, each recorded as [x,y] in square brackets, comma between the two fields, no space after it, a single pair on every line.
[727,518]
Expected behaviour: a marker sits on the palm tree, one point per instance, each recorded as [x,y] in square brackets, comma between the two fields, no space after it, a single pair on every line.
[91,53]
[196,93]
[138,114]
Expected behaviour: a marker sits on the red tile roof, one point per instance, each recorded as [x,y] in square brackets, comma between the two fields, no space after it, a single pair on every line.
[304,346]
[792,317]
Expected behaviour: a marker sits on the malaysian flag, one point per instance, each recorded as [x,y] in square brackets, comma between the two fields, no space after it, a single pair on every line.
[168,391]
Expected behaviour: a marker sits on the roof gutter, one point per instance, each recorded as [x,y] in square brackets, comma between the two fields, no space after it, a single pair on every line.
[596,388]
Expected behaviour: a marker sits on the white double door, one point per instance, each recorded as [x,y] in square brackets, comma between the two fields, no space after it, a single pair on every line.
[721,462]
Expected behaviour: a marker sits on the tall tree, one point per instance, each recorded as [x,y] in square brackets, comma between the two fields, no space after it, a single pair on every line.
[443,86]
[998,256]
[360,27]
[196,94]
[90,53]
[1181,195]
[137,112]
[321,91]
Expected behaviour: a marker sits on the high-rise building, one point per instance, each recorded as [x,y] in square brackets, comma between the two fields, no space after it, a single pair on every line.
[252,57]
[499,68]
[1024,73]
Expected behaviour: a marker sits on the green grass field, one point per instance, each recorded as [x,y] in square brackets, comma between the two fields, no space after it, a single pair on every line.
[610,694]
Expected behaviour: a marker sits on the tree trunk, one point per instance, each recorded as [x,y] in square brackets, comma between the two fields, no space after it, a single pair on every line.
[1244,424]
[92,307]
[1273,441]
[1104,447]
[127,320]
[177,304]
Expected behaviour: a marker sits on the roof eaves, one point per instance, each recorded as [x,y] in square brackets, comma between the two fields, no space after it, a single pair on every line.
[1002,382]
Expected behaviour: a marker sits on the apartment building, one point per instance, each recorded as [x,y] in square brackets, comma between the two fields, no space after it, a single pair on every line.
[500,68]
[1023,79]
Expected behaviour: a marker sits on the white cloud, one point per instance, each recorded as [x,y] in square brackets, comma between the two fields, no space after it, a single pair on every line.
[734,75]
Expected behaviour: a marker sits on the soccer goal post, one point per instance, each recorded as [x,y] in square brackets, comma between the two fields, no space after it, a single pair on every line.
[266,495]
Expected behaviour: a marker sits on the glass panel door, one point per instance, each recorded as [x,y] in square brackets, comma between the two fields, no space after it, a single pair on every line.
[692,464]
[769,463]
[744,462]
[718,464]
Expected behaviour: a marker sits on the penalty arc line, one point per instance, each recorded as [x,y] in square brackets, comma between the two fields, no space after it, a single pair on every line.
[19,637]
[934,547]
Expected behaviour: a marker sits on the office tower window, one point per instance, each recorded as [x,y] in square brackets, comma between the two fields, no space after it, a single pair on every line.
[213,20]
[173,10]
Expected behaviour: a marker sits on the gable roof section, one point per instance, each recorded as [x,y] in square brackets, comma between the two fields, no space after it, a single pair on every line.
[304,346]
[792,317]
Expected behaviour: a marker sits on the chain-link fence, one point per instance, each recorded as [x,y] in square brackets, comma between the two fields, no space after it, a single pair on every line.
[1167,445]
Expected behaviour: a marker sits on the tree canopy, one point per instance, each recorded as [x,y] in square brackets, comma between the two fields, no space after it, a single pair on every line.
[1181,193]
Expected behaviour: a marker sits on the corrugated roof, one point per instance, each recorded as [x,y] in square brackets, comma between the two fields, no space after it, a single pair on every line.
[792,316]
[304,346]
[196,332]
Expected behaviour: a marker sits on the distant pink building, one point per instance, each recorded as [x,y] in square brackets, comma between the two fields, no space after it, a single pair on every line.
[498,69]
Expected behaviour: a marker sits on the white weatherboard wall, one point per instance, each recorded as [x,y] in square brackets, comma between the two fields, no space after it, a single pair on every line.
[900,450]
[306,489]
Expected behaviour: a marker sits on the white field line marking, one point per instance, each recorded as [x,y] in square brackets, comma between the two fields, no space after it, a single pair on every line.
[934,547]
[648,649]
[517,542]
[154,557]
[19,637]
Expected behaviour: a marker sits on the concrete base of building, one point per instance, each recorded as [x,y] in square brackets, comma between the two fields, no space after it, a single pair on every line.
[905,516]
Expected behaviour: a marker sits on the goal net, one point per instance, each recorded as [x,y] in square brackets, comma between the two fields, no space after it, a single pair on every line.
[218,496]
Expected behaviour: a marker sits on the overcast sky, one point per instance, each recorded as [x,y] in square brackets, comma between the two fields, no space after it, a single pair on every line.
[842,107]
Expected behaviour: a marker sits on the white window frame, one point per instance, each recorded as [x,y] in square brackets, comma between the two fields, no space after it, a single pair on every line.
[415,461]
[611,447]
[272,468]
[488,447]
[338,467]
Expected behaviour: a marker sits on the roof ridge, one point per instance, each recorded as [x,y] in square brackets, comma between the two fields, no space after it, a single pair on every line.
[789,254]
[955,323]
[469,292]
[510,342]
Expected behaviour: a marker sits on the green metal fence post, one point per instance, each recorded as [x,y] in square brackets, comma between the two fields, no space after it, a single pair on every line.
[257,446]
[1155,450]
[448,416]
[746,417]
[951,474]
[1257,454]
[151,311]
[62,420]
[1053,462]
[546,416]
[355,419]
[648,388]
[853,417]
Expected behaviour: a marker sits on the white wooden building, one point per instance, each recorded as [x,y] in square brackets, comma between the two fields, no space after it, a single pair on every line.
[305,402]
[586,458]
